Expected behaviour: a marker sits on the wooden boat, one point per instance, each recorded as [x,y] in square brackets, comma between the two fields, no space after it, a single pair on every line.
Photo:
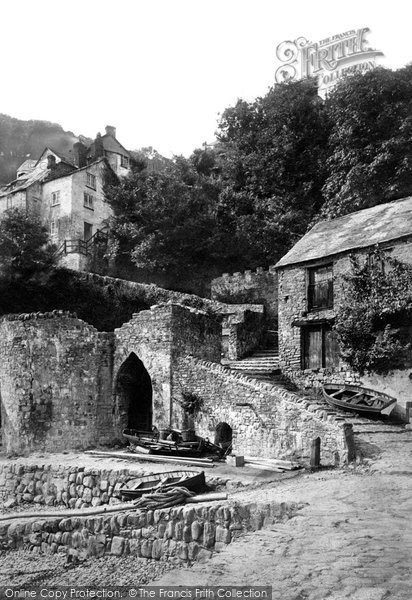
[358,399]
[148,484]
[151,444]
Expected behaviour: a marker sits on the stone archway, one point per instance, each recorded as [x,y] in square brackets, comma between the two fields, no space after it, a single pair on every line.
[133,391]
[223,434]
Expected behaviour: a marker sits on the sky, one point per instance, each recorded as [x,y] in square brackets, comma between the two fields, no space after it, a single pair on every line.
[161,71]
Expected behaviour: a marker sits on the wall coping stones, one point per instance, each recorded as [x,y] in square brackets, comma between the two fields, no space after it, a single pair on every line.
[39,315]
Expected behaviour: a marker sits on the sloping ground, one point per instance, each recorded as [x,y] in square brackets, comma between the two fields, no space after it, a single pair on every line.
[353,540]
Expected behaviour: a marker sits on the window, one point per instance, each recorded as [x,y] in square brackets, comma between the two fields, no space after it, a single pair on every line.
[9,201]
[320,287]
[55,198]
[320,347]
[54,228]
[91,181]
[124,161]
[88,200]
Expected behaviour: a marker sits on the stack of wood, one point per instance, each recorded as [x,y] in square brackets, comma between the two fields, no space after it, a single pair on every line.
[271,464]
[133,456]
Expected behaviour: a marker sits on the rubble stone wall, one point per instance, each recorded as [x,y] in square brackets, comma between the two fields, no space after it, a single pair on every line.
[182,534]
[55,383]
[70,487]
[266,421]
[249,287]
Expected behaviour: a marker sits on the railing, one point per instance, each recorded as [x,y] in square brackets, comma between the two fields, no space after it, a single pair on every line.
[320,295]
[78,246]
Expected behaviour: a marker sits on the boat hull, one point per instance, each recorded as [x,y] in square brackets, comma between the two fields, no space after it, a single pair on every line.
[358,399]
[149,484]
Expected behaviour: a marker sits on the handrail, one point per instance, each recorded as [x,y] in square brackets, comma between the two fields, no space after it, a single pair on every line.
[79,246]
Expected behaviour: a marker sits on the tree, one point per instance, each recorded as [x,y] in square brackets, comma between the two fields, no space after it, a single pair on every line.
[272,154]
[166,220]
[25,251]
[370,142]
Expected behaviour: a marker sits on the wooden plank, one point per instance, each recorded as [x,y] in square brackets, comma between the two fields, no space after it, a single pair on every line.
[153,458]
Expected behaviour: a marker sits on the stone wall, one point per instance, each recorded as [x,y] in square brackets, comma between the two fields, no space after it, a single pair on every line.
[245,334]
[181,534]
[266,420]
[55,383]
[70,487]
[260,287]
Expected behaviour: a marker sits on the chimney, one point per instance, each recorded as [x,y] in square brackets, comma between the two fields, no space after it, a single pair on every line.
[110,130]
[51,161]
[79,154]
[98,147]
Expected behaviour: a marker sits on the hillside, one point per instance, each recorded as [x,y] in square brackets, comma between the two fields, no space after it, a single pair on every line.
[26,139]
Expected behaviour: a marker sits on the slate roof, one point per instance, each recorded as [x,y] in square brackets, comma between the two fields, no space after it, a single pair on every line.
[110,144]
[28,165]
[360,229]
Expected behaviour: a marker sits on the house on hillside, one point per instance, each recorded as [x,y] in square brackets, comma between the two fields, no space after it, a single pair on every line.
[311,288]
[68,194]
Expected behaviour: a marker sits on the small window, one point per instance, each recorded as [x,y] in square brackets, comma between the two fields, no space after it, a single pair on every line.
[9,201]
[91,180]
[124,161]
[88,201]
[320,288]
[53,228]
[55,198]
[320,347]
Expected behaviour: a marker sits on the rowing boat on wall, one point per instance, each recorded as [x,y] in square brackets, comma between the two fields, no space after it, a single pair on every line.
[192,480]
[358,399]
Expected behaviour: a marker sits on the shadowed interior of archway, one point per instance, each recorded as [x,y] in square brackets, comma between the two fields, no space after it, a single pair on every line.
[223,434]
[134,393]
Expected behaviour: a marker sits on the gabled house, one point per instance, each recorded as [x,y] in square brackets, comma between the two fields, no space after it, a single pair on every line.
[68,194]
[311,288]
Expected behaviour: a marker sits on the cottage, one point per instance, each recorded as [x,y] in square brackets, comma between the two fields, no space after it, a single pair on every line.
[67,194]
[311,288]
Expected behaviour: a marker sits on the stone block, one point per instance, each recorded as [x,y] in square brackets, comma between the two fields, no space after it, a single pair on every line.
[157,549]
[146,549]
[208,535]
[203,555]
[196,530]
[117,546]
[222,535]
[193,550]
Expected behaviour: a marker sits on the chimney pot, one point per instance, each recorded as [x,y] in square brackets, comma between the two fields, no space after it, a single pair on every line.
[51,161]
[110,130]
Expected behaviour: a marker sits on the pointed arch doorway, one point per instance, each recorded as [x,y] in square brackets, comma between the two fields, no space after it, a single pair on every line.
[134,394]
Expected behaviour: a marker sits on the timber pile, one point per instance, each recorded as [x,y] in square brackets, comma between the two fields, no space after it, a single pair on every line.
[271,464]
[132,456]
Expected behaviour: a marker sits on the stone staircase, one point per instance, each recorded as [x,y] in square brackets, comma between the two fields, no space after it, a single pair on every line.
[262,365]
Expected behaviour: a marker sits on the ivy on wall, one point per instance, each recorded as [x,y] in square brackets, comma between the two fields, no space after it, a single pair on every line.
[374,320]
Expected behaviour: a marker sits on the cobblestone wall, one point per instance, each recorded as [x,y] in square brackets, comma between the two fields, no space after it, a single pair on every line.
[182,534]
[71,487]
[55,382]
[249,287]
[266,421]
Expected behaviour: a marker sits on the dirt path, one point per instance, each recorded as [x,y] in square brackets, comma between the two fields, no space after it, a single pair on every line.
[353,540]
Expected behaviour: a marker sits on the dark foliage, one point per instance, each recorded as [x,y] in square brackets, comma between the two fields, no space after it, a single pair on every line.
[371,322]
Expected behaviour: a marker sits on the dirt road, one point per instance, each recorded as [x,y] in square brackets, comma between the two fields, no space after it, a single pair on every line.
[353,540]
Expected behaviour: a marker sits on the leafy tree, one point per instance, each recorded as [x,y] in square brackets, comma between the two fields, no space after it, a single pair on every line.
[272,155]
[166,220]
[370,142]
[25,250]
